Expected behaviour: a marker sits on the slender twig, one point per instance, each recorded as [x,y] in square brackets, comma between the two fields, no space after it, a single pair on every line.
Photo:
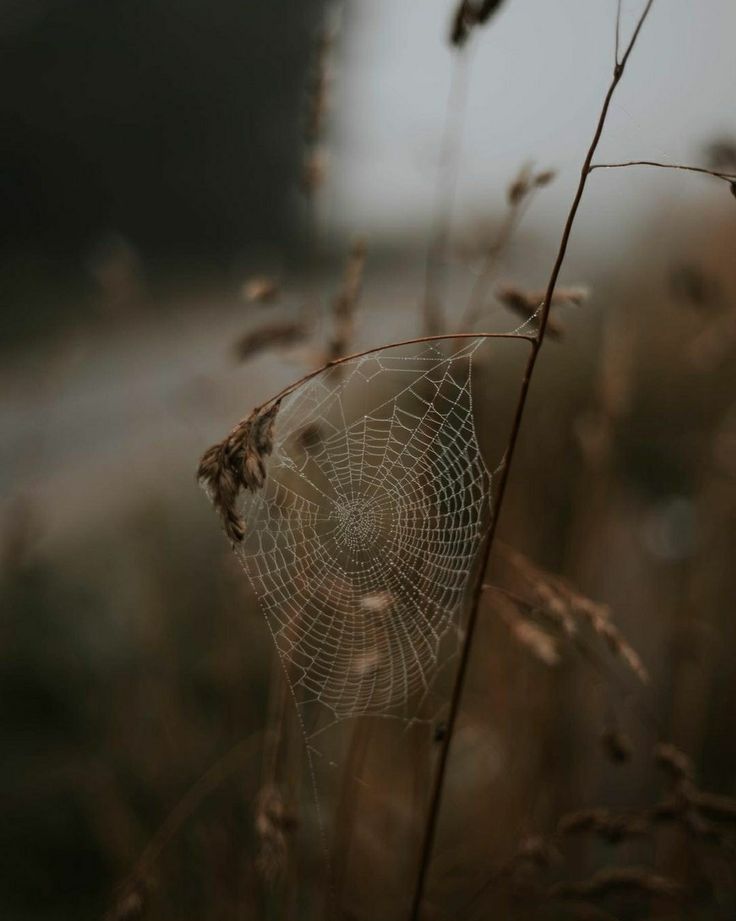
[505,232]
[418,340]
[435,271]
[617,44]
[434,810]
[716,174]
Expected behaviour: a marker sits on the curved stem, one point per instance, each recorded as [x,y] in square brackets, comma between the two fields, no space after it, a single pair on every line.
[418,340]
[716,174]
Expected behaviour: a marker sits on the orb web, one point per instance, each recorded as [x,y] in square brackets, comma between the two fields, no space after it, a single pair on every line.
[362,545]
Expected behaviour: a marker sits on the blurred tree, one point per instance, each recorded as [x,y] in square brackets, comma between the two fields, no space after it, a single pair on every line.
[175,125]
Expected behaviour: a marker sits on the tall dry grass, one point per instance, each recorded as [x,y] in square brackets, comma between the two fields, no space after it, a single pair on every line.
[584,766]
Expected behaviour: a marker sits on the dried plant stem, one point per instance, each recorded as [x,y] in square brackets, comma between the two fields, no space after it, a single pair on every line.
[485,276]
[418,340]
[434,810]
[274,743]
[716,174]
[435,272]
[345,304]
[346,810]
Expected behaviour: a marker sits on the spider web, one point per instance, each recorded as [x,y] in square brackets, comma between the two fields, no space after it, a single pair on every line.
[362,545]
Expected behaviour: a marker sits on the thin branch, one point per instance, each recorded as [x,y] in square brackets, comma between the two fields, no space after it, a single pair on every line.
[716,174]
[290,388]
[618,72]
[446,188]
[436,798]
[618,32]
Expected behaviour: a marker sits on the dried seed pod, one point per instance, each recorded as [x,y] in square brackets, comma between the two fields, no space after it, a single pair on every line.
[236,463]
[487,9]
[268,336]
[674,762]
[542,646]
[272,822]
[261,289]
[544,178]
[526,304]
[471,13]
[462,22]
[559,603]
[572,294]
[520,186]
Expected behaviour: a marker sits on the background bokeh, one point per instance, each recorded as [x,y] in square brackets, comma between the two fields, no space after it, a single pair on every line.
[152,162]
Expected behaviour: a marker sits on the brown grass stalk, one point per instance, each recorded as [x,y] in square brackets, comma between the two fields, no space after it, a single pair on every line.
[433,816]
[520,194]
[347,809]
[346,302]
[435,277]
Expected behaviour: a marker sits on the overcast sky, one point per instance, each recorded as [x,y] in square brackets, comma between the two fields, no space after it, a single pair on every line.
[537,76]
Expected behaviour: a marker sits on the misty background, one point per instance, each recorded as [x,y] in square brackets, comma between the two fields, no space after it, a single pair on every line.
[152,162]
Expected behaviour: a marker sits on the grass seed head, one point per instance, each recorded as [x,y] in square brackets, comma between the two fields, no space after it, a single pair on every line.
[269,336]
[236,463]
